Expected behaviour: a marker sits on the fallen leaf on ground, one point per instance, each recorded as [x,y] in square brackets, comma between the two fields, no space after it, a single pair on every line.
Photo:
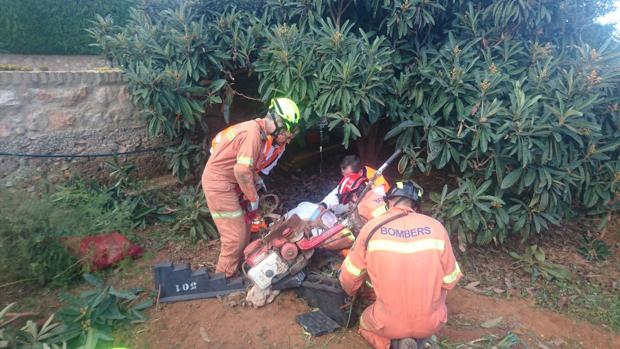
[472,287]
[563,301]
[203,334]
[492,323]
[557,342]
[591,275]
[473,284]
[531,291]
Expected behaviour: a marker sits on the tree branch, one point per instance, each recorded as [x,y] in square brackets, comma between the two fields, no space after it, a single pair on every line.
[245,96]
[16,316]
[331,11]
[341,10]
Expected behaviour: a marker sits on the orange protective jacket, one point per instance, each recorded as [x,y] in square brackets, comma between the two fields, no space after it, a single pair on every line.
[411,265]
[372,204]
[369,172]
[237,155]
[269,154]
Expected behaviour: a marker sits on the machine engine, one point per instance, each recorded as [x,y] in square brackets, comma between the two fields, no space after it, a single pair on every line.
[275,254]
[285,249]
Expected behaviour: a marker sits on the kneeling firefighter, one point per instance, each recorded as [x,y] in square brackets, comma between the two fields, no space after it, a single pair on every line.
[232,168]
[409,260]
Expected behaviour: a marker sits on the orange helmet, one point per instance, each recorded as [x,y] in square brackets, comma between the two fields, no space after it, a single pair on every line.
[349,185]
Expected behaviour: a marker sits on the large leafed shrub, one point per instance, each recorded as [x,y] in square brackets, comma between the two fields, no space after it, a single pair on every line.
[519,99]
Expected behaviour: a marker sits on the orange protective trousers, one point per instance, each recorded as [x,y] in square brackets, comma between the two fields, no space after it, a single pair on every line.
[223,202]
[374,333]
[371,331]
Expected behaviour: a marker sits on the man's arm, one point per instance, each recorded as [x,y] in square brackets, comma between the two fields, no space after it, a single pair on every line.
[353,269]
[249,148]
[451,269]
[331,200]
[245,179]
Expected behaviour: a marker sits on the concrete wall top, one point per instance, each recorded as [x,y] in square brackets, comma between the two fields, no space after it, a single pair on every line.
[53,78]
[54,62]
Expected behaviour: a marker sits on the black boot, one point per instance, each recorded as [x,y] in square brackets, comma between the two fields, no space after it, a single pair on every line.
[404,343]
[426,343]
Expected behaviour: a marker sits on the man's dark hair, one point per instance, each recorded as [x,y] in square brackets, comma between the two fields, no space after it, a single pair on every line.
[353,161]
[408,202]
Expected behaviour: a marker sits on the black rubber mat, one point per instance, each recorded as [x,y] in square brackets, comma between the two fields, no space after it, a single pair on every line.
[181,283]
[317,323]
[325,293]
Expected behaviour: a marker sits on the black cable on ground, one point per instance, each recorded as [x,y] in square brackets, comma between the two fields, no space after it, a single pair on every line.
[95,155]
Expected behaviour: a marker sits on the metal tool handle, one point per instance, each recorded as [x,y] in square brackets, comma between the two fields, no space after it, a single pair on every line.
[374,178]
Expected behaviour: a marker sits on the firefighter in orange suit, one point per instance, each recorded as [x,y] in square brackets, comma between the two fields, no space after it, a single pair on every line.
[409,260]
[232,168]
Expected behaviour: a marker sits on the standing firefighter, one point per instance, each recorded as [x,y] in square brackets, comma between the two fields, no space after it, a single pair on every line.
[232,170]
[409,260]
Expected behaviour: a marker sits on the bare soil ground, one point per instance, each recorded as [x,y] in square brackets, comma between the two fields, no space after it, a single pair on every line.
[223,323]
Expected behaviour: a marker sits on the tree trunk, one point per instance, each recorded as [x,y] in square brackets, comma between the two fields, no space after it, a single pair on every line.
[370,145]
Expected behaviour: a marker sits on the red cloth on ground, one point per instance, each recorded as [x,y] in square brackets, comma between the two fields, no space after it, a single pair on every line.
[105,250]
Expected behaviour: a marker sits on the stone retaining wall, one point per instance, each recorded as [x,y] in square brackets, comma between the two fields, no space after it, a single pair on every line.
[70,113]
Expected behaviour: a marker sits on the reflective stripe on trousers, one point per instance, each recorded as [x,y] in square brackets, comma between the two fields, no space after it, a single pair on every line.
[223,202]
[227,214]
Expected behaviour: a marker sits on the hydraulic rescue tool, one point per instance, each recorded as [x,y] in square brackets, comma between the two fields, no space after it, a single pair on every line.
[288,244]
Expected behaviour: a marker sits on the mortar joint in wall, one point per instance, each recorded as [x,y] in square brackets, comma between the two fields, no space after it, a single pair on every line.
[55,78]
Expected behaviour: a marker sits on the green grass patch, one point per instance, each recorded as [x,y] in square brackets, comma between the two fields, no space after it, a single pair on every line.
[508,341]
[583,300]
[31,228]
